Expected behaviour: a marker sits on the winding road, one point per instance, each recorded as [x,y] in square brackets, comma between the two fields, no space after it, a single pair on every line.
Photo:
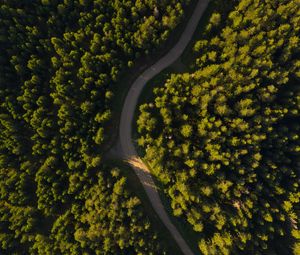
[125,139]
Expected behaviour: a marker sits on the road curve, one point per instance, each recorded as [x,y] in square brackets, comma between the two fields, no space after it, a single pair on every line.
[128,149]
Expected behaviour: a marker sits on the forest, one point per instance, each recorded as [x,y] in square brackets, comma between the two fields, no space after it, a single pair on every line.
[223,138]
[60,63]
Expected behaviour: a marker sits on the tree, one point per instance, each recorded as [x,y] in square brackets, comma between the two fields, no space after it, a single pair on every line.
[225,141]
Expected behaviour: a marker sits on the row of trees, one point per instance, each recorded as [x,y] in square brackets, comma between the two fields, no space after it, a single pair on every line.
[59,61]
[224,139]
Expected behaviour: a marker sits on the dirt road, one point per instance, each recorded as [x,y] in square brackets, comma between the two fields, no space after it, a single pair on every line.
[128,150]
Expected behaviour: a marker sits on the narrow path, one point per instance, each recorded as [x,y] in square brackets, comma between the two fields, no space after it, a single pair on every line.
[128,150]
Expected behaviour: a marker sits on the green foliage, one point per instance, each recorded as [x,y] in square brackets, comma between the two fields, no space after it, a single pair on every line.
[59,64]
[230,130]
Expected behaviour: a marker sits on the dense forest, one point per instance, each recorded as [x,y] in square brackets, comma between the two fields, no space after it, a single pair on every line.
[59,65]
[224,140]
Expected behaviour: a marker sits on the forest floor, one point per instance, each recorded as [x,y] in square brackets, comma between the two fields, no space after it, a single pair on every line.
[125,147]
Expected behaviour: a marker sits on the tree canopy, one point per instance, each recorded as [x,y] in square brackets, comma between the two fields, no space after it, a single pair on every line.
[225,137]
[60,62]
